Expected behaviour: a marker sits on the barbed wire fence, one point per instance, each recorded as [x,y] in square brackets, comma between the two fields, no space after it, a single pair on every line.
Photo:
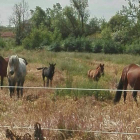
[55,129]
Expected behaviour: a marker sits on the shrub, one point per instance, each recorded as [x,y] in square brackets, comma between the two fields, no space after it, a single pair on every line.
[111,47]
[56,47]
[69,44]
[34,40]
[2,43]
[79,44]
[97,46]
[134,48]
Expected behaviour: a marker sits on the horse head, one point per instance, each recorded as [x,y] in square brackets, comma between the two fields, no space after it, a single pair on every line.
[52,66]
[13,64]
[102,69]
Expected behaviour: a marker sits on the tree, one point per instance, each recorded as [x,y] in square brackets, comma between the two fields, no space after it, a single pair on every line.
[19,19]
[71,21]
[119,22]
[133,9]
[93,26]
[38,17]
[80,6]
[58,20]
[133,13]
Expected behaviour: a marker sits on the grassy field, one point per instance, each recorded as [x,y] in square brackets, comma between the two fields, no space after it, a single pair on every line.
[71,109]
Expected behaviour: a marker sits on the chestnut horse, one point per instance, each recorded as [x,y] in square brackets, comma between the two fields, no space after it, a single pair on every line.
[97,73]
[130,75]
[3,68]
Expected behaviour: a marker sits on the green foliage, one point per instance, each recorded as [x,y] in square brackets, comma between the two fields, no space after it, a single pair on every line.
[134,48]
[38,17]
[38,38]
[56,47]
[118,22]
[121,37]
[34,40]
[111,47]
[106,33]
[2,43]
[93,26]
[79,44]
[97,46]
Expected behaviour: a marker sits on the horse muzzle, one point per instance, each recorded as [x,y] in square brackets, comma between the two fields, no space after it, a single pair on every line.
[11,72]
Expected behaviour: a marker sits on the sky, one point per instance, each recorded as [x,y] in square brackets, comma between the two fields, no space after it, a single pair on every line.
[97,8]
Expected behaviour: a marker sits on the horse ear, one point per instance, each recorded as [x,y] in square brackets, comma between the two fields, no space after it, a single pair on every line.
[54,64]
[16,56]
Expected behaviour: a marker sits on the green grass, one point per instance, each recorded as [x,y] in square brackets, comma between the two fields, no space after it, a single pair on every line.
[75,66]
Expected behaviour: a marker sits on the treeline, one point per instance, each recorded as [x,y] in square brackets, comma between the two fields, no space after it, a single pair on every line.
[71,28]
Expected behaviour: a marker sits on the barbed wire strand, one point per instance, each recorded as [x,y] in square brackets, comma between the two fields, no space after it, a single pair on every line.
[87,131]
[57,88]
[84,89]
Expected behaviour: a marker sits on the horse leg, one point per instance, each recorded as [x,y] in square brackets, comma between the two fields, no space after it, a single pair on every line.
[125,88]
[10,88]
[43,80]
[51,82]
[22,88]
[2,82]
[47,82]
[124,95]
[134,94]
[18,84]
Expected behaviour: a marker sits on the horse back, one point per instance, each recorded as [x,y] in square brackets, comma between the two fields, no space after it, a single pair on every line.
[22,67]
[133,77]
[3,66]
[47,72]
[97,73]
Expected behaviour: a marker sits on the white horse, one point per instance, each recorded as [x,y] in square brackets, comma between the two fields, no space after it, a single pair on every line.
[16,72]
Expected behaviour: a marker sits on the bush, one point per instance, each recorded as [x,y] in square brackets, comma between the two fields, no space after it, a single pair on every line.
[56,47]
[112,47]
[2,43]
[97,46]
[79,44]
[69,44]
[34,40]
[134,48]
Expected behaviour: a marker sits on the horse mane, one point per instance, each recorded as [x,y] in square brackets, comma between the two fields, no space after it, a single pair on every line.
[25,60]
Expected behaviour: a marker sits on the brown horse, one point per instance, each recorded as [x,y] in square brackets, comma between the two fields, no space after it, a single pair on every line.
[130,75]
[96,74]
[3,68]
[99,72]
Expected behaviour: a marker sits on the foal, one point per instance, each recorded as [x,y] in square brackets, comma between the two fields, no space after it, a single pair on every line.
[99,71]
[48,72]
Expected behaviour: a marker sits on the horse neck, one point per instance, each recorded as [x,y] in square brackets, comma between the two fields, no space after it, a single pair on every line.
[98,71]
[51,69]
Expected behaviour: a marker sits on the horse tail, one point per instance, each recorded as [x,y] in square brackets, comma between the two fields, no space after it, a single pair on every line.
[118,92]
[40,68]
